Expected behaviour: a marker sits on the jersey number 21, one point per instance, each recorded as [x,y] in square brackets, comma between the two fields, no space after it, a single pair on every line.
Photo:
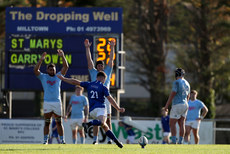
[94,94]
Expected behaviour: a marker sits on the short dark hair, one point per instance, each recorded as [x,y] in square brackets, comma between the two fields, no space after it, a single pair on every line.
[101,74]
[99,62]
[179,72]
[50,65]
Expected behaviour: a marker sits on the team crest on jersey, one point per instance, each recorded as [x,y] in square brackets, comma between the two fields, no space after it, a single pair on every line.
[94,86]
[51,82]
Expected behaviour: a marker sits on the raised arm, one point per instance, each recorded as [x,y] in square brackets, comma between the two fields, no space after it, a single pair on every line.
[111,56]
[65,64]
[38,65]
[114,104]
[69,80]
[88,54]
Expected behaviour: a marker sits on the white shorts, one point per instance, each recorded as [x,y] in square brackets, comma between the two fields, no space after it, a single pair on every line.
[166,134]
[55,107]
[179,110]
[76,122]
[108,106]
[98,112]
[131,139]
[194,124]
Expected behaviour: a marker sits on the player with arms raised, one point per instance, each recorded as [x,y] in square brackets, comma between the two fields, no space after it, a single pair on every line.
[52,98]
[93,74]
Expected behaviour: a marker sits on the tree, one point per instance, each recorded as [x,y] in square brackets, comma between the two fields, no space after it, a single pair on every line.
[145,30]
[146,34]
[202,27]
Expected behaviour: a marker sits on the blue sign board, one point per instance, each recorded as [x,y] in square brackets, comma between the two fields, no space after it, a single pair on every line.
[32,31]
[63,20]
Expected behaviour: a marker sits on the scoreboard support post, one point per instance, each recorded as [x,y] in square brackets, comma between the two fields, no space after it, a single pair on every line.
[119,92]
[10,104]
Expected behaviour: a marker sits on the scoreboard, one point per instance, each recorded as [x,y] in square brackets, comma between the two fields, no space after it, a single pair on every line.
[32,31]
[102,51]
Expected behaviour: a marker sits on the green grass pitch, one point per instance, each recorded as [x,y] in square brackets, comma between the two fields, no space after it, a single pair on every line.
[113,149]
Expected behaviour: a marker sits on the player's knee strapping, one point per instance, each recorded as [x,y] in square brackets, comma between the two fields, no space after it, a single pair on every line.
[58,120]
[47,121]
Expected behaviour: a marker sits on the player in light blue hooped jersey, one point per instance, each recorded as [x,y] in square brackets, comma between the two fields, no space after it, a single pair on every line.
[96,95]
[52,98]
[179,98]
[93,74]
[194,118]
[79,108]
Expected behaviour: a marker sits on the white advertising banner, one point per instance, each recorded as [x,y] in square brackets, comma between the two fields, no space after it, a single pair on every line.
[31,132]
[21,131]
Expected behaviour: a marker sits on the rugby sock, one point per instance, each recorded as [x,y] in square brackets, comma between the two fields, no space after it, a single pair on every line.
[110,134]
[163,142]
[95,122]
[108,139]
[95,138]
[174,139]
[185,142]
[58,141]
[46,137]
[181,140]
[74,141]
[62,138]
[82,140]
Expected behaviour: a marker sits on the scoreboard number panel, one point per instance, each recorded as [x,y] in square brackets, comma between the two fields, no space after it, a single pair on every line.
[102,51]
